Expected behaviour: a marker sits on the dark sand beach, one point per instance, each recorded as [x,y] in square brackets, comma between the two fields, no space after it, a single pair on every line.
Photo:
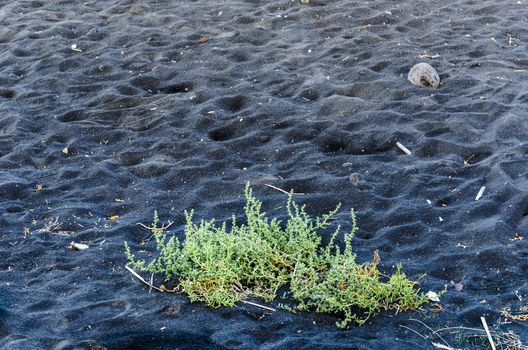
[112,109]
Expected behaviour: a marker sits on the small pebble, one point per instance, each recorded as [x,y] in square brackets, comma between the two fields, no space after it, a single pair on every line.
[355,179]
[433,296]
[78,246]
[75,48]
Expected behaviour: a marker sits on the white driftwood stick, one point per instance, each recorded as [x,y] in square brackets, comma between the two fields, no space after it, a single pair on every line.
[485,324]
[403,148]
[480,193]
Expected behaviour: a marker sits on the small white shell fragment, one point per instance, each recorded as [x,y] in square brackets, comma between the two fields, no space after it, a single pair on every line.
[305,1]
[480,193]
[432,296]
[78,246]
[65,150]
[422,74]
[75,48]
[403,148]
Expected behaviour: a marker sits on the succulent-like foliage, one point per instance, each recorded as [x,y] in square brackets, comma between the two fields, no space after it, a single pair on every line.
[223,264]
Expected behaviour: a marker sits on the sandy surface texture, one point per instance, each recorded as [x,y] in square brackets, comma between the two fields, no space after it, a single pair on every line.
[111,109]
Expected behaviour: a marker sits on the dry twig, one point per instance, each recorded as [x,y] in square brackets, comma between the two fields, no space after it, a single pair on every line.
[415,332]
[428,55]
[159,289]
[442,346]
[480,193]
[466,161]
[485,324]
[403,148]
[432,330]
[162,228]
[258,305]
[283,191]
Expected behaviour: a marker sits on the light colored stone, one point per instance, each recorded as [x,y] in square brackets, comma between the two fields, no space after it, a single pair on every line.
[424,75]
[78,246]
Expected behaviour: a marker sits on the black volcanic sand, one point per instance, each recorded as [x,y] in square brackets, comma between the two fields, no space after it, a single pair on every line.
[144,113]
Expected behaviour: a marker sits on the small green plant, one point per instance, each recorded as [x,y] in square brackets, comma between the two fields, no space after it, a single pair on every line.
[223,264]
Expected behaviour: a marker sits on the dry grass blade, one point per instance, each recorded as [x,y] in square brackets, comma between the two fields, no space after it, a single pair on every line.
[258,305]
[432,330]
[415,332]
[442,346]
[159,289]
[283,191]
[459,329]
[480,193]
[428,55]
[521,317]
[150,228]
[504,340]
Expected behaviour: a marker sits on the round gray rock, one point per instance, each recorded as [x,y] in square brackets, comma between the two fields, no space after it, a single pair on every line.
[424,75]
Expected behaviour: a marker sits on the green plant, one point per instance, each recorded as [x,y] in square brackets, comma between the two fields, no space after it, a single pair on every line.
[223,264]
